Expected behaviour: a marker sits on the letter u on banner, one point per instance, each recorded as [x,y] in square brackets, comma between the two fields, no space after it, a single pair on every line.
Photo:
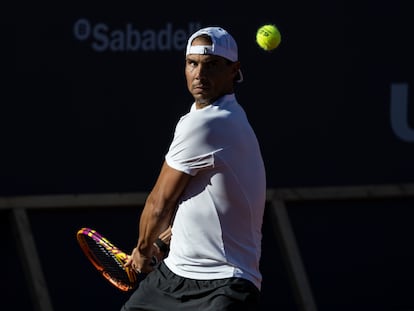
[399,112]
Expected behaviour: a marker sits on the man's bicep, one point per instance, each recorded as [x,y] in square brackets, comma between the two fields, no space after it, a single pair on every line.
[171,182]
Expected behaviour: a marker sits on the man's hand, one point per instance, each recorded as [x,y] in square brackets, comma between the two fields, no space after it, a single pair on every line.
[142,263]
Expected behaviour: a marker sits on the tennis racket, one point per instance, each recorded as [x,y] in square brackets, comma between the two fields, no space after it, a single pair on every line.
[109,260]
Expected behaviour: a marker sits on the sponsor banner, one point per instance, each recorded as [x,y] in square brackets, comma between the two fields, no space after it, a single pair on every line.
[94,95]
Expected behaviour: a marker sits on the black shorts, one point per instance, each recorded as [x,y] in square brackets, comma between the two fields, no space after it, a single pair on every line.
[162,290]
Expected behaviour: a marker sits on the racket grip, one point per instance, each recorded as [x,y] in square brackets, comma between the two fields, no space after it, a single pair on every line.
[154,261]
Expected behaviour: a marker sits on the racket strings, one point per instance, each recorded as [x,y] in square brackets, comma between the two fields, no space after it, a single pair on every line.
[106,259]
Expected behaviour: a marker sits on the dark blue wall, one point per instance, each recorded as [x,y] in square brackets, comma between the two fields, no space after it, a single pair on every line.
[79,119]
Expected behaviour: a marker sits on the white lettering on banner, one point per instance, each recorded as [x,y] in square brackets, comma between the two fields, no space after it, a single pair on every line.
[102,38]
[399,112]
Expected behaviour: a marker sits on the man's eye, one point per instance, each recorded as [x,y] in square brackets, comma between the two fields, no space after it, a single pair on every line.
[213,64]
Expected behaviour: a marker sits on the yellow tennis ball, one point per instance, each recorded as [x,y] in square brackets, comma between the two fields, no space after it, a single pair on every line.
[268,37]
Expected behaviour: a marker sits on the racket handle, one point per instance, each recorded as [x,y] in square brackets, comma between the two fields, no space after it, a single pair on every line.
[154,261]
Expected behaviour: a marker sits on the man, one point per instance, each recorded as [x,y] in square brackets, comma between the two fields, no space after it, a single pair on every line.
[211,190]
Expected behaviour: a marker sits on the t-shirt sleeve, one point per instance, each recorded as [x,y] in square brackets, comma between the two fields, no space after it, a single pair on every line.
[190,165]
[191,149]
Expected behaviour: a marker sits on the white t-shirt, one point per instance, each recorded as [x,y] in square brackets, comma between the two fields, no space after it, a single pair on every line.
[216,231]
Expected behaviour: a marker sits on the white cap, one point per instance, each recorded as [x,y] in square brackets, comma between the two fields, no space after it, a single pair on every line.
[223,45]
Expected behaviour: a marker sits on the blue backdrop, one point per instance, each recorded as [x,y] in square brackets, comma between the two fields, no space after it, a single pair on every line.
[94,92]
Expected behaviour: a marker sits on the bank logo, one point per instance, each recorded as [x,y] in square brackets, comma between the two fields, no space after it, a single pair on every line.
[101,37]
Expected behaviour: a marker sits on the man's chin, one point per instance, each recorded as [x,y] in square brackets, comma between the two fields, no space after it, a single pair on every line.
[200,97]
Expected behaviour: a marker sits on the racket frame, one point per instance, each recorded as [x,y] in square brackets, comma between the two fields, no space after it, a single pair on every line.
[119,256]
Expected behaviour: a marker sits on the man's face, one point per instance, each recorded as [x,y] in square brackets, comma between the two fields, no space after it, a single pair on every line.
[209,76]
